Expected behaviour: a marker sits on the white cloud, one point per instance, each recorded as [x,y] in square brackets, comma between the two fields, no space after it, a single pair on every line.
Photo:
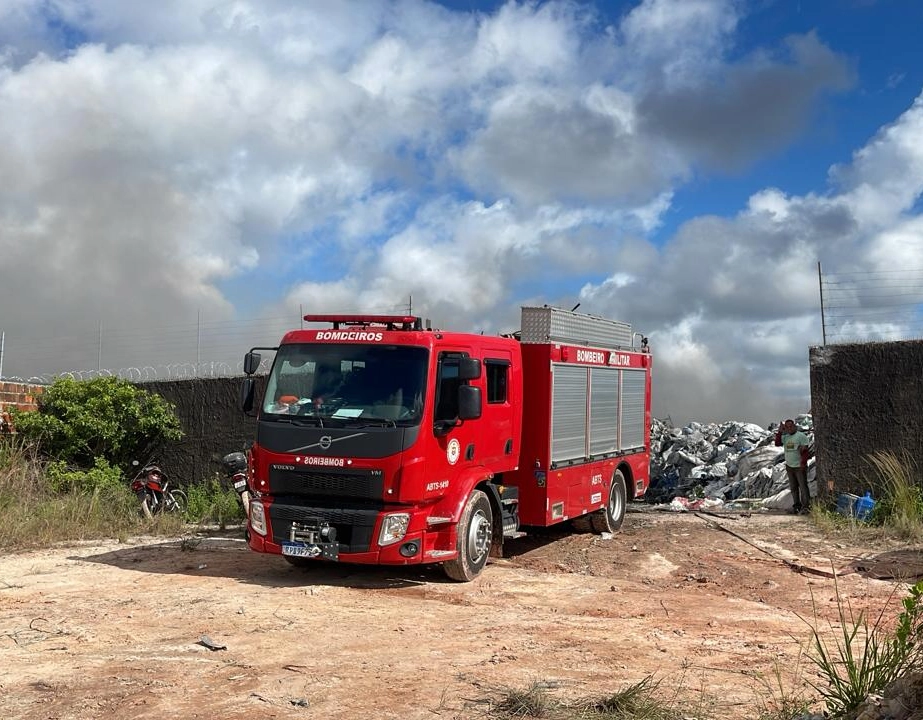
[169,159]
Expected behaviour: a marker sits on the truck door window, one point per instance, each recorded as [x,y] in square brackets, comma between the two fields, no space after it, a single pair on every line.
[497,380]
[447,387]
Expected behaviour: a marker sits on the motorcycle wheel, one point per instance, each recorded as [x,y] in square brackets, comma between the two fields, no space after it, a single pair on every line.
[146,507]
[178,501]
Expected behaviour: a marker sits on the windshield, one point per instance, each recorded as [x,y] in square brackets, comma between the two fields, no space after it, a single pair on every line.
[348,383]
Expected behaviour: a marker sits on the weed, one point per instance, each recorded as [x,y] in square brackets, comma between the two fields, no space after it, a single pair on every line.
[777,701]
[533,702]
[901,507]
[38,508]
[189,544]
[638,701]
[866,657]
[211,502]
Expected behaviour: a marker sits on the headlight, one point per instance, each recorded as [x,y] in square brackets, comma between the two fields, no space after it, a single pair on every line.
[393,528]
[258,517]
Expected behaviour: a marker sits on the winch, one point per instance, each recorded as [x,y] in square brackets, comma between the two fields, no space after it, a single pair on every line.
[314,538]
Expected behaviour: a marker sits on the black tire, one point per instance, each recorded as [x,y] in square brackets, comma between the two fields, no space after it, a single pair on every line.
[582,524]
[177,502]
[146,507]
[610,518]
[475,533]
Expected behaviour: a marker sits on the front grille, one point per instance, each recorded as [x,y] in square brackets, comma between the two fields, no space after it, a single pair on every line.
[354,525]
[361,485]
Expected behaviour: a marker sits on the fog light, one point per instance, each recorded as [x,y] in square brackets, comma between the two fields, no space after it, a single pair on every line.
[409,549]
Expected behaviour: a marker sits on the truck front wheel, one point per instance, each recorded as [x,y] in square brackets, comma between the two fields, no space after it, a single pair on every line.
[609,518]
[474,537]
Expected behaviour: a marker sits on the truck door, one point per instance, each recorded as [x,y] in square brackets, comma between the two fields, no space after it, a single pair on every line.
[460,441]
[497,427]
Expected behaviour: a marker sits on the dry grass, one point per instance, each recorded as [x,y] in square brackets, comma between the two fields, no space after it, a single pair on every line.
[638,701]
[901,507]
[32,515]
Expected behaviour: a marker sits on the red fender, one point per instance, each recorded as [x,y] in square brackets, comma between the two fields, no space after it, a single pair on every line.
[453,504]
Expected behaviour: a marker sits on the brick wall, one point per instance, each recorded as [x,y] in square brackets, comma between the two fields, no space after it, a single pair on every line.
[19,395]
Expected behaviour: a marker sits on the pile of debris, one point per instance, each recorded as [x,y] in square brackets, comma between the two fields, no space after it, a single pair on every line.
[709,464]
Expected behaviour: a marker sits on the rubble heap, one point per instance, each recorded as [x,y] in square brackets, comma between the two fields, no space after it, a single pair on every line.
[722,462]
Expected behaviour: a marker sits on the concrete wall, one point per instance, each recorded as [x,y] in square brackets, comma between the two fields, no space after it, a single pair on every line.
[865,398]
[213,426]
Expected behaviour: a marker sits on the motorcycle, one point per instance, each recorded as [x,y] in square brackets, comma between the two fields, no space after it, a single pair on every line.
[154,492]
[235,469]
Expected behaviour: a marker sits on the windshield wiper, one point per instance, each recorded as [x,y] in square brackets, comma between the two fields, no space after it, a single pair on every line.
[371,420]
[300,420]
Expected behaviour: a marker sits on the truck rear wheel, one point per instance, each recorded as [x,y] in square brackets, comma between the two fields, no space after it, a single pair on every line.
[474,537]
[609,518]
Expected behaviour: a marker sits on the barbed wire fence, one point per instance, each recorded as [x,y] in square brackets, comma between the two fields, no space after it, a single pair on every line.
[871,306]
[148,353]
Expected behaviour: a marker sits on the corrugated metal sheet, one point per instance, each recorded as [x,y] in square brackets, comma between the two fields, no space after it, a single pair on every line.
[548,324]
[604,410]
[568,413]
[632,409]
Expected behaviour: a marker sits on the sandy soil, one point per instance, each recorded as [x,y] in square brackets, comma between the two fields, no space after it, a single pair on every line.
[114,630]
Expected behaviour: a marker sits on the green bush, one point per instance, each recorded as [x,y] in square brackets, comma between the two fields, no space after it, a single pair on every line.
[79,421]
[102,476]
[211,502]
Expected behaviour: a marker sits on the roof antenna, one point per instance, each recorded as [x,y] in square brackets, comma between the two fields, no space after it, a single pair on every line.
[575,307]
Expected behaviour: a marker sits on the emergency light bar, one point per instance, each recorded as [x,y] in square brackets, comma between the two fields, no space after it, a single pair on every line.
[402,322]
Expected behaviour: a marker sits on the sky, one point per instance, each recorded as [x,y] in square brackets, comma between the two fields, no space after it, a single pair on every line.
[182,180]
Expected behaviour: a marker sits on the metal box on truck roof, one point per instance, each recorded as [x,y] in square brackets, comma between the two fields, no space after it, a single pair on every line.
[551,325]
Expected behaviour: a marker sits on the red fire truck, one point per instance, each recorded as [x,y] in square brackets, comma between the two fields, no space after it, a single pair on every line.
[383,441]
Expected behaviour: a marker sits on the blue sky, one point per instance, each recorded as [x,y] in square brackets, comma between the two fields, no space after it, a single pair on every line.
[206,169]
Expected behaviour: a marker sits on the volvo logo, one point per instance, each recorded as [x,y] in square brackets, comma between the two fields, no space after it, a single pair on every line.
[324,442]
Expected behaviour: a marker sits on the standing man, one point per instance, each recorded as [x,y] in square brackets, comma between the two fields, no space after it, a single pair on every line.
[795,443]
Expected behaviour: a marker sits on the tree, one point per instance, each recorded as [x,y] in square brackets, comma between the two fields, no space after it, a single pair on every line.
[79,421]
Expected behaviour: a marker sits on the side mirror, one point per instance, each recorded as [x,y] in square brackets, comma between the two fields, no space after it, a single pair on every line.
[247,388]
[469,402]
[251,362]
[469,368]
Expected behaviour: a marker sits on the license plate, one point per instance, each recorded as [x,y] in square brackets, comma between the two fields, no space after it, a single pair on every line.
[300,550]
[240,484]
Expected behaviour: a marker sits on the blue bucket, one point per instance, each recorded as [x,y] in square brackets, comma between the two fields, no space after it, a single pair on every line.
[864,507]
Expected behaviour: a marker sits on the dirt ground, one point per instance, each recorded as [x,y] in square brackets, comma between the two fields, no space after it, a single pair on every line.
[706,604]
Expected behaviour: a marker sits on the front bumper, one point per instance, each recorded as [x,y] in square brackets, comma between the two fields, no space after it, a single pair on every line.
[357,531]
